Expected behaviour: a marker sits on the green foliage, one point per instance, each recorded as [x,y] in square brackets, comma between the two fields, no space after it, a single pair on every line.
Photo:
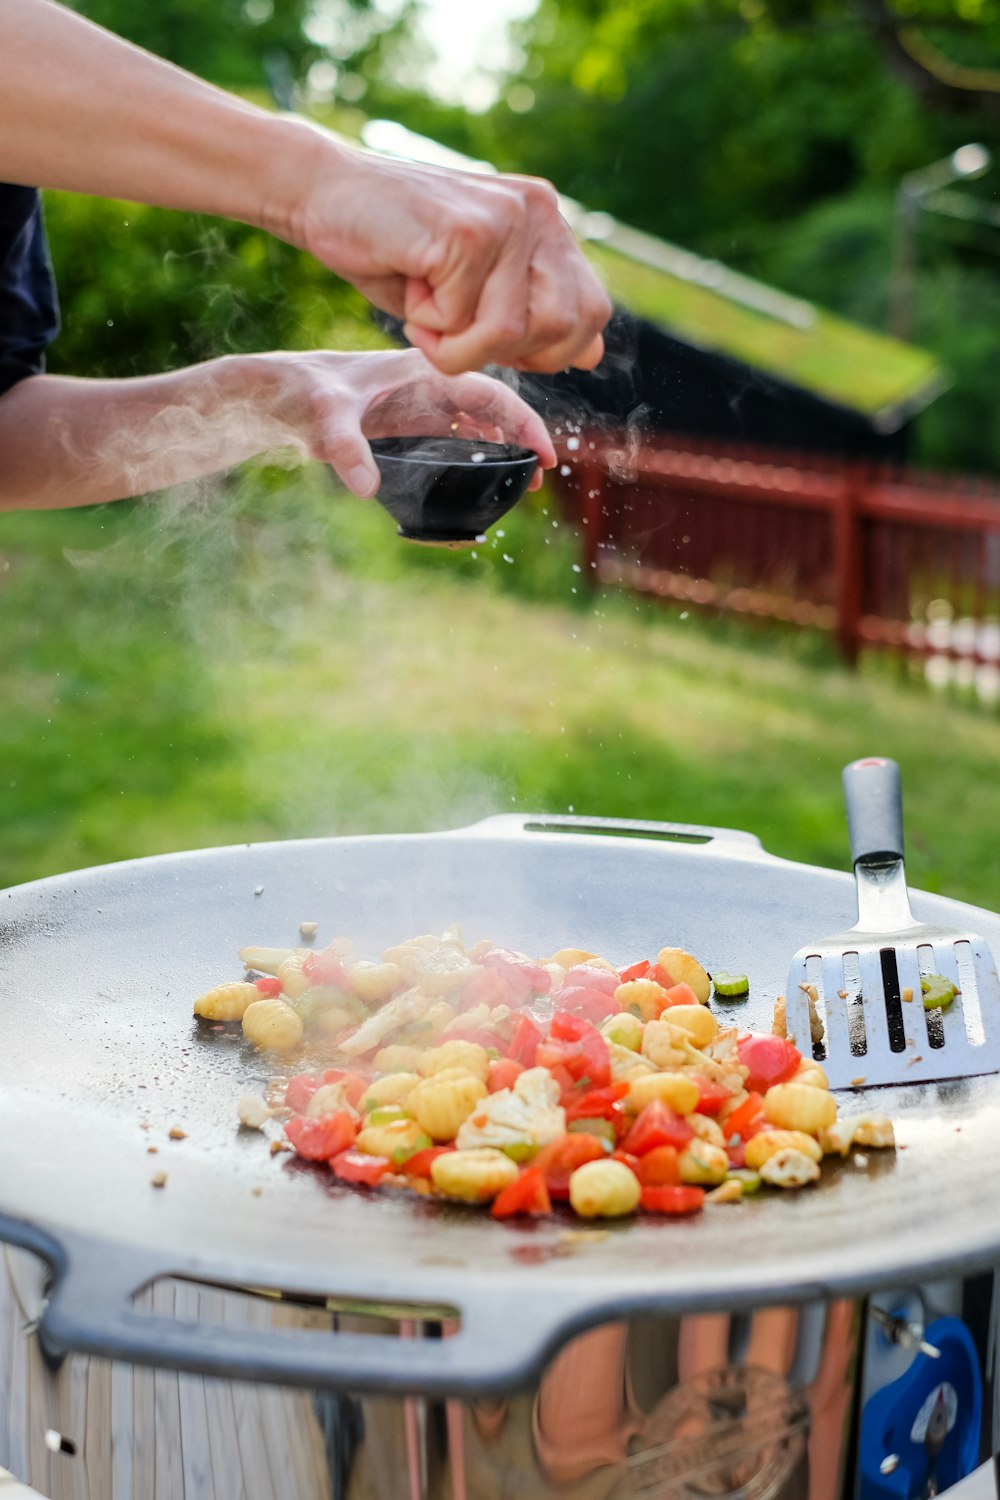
[143,290]
[267,660]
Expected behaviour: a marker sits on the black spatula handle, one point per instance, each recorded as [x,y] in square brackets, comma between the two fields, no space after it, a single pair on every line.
[874,801]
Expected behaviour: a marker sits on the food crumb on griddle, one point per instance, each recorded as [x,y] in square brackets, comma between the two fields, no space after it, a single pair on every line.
[159,1180]
[907,995]
[152,1150]
[253,1112]
[258,890]
[308,929]
[256,1191]
[860,1161]
[857,1082]
[277,1147]
[177,1134]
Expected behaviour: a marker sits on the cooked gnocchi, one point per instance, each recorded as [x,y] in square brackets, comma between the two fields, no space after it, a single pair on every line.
[481,1075]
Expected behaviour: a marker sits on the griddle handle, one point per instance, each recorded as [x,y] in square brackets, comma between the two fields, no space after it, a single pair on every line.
[874,801]
[90,1310]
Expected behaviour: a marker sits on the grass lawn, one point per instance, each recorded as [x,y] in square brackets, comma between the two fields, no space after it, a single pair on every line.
[267,661]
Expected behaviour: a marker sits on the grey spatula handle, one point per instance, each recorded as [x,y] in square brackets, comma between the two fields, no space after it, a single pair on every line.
[874,810]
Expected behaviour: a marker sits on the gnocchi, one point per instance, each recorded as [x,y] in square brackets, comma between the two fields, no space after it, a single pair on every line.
[487,1077]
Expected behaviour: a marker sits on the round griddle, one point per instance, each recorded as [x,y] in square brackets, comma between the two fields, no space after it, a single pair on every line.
[101,1057]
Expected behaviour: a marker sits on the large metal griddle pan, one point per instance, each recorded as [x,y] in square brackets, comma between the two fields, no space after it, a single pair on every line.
[98,971]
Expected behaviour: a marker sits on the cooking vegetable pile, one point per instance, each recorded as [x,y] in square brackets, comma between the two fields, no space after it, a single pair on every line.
[487,1077]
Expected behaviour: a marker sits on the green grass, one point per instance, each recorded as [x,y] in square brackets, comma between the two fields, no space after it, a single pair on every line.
[267,660]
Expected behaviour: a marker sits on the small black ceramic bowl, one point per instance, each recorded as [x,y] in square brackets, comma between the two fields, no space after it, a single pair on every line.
[448,490]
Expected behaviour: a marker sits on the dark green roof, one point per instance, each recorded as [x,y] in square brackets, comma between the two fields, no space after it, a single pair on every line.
[853,367]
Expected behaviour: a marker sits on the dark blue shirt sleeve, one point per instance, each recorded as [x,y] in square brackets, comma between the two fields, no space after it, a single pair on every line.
[29,307]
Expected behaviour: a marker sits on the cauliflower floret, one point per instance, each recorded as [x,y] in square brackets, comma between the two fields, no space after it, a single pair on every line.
[872,1130]
[438,965]
[627,1064]
[328,1100]
[413,1005]
[789,1169]
[530,1113]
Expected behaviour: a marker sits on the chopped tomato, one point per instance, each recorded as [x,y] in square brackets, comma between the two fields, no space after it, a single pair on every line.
[575,1044]
[672,1200]
[484,987]
[269,986]
[635,971]
[592,1004]
[711,1096]
[318,1140]
[659,1167]
[746,1118]
[359,1167]
[560,1158]
[300,1089]
[419,1164]
[522,976]
[523,1045]
[771,1060]
[596,1104]
[591,977]
[658,973]
[737,1156]
[503,1074]
[326,968]
[657,1125]
[355,1084]
[528,1194]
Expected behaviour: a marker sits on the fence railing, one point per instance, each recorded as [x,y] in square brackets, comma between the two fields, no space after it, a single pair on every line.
[900,560]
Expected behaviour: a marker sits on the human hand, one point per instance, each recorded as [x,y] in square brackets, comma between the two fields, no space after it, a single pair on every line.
[330,404]
[480,269]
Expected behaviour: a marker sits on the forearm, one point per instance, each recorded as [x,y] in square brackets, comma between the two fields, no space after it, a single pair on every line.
[66,442]
[87,112]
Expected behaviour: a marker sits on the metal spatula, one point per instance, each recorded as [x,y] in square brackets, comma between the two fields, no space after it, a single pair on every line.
[866,981]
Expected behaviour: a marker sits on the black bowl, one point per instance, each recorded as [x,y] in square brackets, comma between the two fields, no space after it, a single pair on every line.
[448,490]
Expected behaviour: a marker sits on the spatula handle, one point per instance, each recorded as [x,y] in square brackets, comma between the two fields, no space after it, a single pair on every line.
[874,810]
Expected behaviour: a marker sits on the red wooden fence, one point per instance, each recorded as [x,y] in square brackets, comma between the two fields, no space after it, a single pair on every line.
[903,560]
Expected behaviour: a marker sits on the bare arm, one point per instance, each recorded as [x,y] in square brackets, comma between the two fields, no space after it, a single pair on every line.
[481,269]
[66,442]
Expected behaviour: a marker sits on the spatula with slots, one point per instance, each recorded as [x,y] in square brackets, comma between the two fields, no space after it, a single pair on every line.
[878,988]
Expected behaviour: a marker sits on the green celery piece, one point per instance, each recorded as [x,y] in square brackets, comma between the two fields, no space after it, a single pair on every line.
[936,991]
[749,1181]
[730,986]
[386,1112]
[520,1150]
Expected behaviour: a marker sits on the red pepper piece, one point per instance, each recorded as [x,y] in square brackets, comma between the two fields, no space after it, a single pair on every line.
[672,1200]
[359,1167]
[577,1045]
[657,1125]
[592,1004]
[596,1104]
[659,1167]
[711,1096]
[747,1118]
[420,1163]
[523,1045]
[560,1158]
[636,971]
[318,1140]
[527,1195]
[269,986]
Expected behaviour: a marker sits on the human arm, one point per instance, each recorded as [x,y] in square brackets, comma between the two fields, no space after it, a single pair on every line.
[479,268]
[67,442]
